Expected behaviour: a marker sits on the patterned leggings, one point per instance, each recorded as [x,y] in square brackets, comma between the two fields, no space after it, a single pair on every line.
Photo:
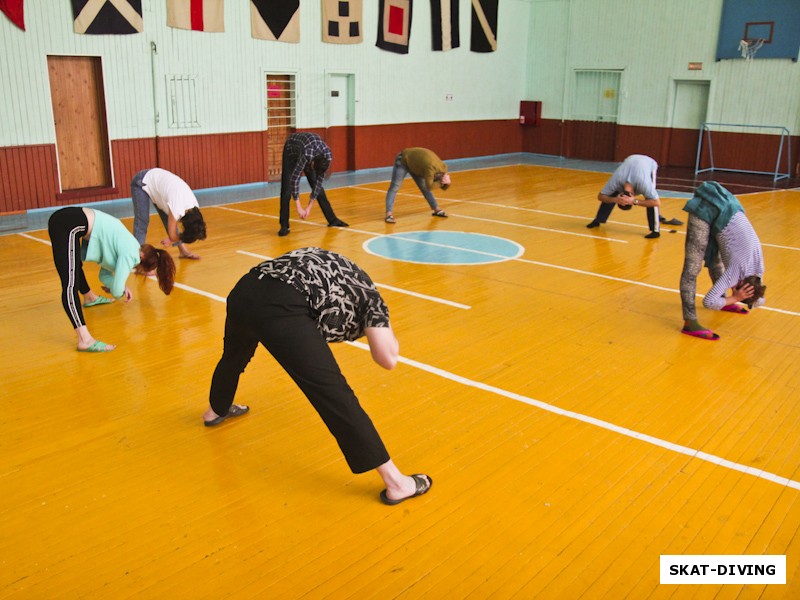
[698,233]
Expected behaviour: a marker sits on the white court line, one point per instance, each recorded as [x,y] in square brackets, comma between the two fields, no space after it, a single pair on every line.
[549,229]
[35,239]
[664,226]
[531,262]
[691,452]
[624,431]
[383,285]
[716,460]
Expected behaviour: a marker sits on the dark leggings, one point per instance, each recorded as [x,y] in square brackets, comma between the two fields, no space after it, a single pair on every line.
[286,191]
[66,228]
[273,313]
[605,208]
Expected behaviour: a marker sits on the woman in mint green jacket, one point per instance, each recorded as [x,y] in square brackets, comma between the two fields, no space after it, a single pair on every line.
[81,235]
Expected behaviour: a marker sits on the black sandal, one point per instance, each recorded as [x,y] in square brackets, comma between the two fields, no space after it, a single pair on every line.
[423,482]
[235,410]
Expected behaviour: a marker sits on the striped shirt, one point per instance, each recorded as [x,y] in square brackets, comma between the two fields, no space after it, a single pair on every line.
[299,153]
[740,252]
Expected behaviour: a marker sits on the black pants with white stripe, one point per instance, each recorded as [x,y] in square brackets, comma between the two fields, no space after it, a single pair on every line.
[267,311]
[67,227]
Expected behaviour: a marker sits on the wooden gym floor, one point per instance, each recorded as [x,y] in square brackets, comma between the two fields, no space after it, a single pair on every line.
[573,435]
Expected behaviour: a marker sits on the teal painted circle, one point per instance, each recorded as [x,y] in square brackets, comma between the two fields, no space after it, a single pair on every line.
[444,248]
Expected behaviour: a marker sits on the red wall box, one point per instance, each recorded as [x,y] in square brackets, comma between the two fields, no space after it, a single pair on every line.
[530,112]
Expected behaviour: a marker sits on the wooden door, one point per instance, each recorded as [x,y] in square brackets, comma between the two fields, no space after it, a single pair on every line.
[79,113]
[280,120]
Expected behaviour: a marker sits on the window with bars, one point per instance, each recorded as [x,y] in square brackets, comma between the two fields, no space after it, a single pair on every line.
[182,101]
[281,98]
[280,101]
[596,95]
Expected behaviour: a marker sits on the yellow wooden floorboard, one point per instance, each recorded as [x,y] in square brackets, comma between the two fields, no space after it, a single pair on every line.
[112,488]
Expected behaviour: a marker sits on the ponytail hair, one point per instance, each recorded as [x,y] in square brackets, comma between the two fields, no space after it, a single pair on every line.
[154,259]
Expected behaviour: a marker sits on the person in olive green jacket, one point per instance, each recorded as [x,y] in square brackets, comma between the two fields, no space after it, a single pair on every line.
[426,169]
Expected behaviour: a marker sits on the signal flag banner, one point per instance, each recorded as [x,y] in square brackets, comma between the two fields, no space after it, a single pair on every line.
[394,25]
[275,20]
[484,26]
[444,21]
[196,15]
[341,21]
[13,10]
[108,17]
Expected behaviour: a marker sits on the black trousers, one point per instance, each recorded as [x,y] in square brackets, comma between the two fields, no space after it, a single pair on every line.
[273,313]
[286,191]
[66,228]
[604,211]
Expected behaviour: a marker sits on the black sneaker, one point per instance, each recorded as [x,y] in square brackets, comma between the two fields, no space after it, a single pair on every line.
[593,224]
[338,223]
[284,231]
[653,235]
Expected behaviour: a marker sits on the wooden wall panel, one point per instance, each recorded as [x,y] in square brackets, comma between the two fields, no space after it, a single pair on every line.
[544,138]
[28,177]
[215,160]
[130,157]
[681,148]
[377,145]
[644,140]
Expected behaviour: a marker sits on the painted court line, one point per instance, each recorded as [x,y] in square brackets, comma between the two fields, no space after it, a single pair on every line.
[548,229]
[691,452]
[664,227]
[35,239]
[624,431]
[523,260]
[383,285]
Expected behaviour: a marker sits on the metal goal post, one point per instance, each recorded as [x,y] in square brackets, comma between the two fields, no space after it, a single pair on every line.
[777,174]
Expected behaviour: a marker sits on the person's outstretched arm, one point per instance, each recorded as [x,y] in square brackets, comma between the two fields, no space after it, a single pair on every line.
[383,346]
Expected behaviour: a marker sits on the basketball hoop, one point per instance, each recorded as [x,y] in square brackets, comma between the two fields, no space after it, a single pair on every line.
[748,48]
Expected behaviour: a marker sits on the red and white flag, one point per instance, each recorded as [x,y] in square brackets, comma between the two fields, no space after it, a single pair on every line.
[13,10]
[197,15]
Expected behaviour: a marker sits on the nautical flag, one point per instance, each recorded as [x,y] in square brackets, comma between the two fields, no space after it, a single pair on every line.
[276,20]
[484,26]
[444,20]
[341,21]
[197,15]
[100,17]
[394,25]
[13,10]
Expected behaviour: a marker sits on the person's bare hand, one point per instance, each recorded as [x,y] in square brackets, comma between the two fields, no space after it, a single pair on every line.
[743,292]
[624,200]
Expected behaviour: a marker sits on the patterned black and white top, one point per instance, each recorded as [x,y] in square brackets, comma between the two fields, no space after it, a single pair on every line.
[342,297]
